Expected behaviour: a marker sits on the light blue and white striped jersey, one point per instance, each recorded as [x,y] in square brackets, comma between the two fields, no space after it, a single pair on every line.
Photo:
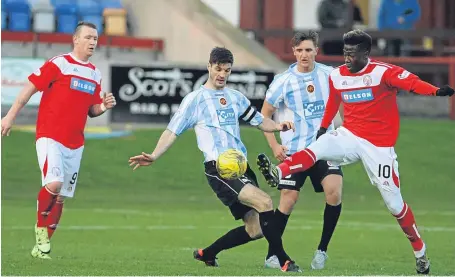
[301,98]
[215,115]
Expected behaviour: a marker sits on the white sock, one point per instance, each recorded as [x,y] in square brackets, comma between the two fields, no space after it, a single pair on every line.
[421,252]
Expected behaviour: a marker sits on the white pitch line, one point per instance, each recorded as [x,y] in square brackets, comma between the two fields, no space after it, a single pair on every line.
[349,225]
[298,212]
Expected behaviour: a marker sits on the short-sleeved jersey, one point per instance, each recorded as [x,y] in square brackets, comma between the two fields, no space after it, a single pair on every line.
[301,98]
[215,115]
[369,100]
[70,87]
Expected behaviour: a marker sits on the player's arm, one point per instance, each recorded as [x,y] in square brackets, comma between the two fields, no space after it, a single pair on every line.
[164,143]
[255,118]
[400,78]
[108,103]
[333,104]
[268,125]
[38,81]
[184,118]
[100,105]
[273,98]
[22,99]
[267,111]
[96,110]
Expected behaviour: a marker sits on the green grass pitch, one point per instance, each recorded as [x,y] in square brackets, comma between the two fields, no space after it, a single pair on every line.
[148,222]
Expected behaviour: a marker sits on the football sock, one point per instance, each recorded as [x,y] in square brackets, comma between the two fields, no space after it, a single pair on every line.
[331,215]
[407,223]
[54,218]
[298,162]
[233,238]
[46,200]
[281,220]
[273,236]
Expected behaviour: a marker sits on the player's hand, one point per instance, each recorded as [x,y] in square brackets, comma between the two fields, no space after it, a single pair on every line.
[321,131]
[445,91]
[7,123]
[285,126]
[141,160]
[109,100]
[279,151]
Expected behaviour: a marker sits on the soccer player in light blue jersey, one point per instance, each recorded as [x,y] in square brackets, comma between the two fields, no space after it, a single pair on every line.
[300,95]
[214,111]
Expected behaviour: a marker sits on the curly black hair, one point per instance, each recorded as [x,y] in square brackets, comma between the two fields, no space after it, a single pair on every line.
[358,37]
[221,55]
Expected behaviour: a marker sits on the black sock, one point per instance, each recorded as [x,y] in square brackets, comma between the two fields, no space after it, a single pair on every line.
[281,220]
[233,238]
[272,235]
[331,215]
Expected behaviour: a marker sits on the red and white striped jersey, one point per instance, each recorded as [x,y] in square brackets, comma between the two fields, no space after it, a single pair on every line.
[369,100]
[70,87]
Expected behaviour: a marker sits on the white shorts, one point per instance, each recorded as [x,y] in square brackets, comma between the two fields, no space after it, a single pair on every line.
[59,163]
[341,147]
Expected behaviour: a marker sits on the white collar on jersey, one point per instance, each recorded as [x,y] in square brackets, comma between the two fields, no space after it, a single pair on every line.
[363,69]
[77,60]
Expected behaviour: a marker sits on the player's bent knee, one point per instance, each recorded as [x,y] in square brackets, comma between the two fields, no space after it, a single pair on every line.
[255,198]
[265,204]
[395,208]
[392,199]
[288,200]
[394,204]
[254,231]
[54,187]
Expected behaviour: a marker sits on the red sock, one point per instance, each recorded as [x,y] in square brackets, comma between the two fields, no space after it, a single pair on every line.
[54,218]
[298,162]
[407,222]
[46,200]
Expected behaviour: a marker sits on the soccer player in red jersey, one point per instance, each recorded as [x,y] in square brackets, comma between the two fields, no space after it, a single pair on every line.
[367,90]
[71,87]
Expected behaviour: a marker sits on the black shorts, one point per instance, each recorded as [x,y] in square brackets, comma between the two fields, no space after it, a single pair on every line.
[228,190]
[317,173]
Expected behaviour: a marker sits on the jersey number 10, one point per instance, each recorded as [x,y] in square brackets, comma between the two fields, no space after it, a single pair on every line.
[384,171]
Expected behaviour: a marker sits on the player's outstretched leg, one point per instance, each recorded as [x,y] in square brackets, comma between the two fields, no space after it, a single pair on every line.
[423,265]
[405,218]
[235,237]
[198,254]
[257,199]
[407,223]
[298,162]
[269,170]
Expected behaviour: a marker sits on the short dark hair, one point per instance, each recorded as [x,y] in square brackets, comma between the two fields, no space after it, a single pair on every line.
[301,36]
[221,55]
[358,37]
[84,23]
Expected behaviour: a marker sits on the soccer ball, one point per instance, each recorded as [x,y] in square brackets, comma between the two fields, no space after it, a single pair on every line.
[231,164]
